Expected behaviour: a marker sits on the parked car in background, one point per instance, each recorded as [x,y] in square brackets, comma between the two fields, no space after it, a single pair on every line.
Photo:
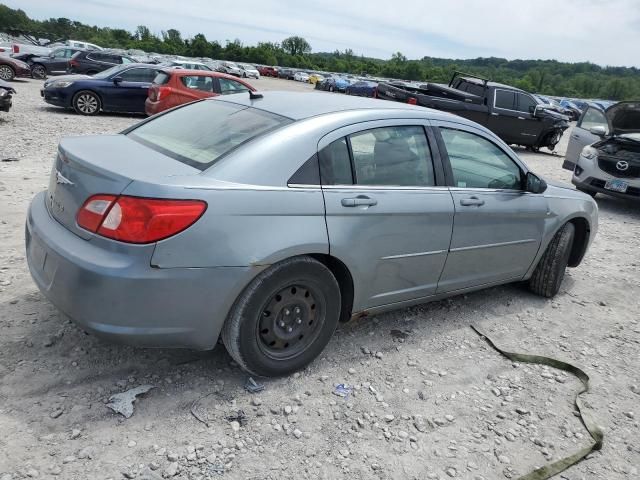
[82,45]
[335,84]
[552,104]
[301,77]
[57,62]
[121,88]
[248,71]
[604,151]
[571,108]
[6,93]
[91,62]
[362,88]
[231,68]
[315,78]
[186,64]
[267,71]
[171,88]
[11,68]
[16,48]
[286,73]
[514,115]
[294,229]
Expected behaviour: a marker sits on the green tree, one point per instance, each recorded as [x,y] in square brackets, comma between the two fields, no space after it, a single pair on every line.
[296,46]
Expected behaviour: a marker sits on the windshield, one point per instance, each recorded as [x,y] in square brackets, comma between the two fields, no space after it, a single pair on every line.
[109,71]
[200,133]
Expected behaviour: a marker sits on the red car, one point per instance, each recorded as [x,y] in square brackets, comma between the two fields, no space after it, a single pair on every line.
[268,71]
[173,87]
[12,67]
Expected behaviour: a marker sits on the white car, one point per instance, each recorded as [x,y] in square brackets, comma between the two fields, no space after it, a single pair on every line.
[231,68]
[187,65]
[301,77]
[248,71]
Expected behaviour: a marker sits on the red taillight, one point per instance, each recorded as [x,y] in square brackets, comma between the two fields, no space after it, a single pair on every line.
[412,101]
[157,92]
[16,48]
[73,63]
[138,220]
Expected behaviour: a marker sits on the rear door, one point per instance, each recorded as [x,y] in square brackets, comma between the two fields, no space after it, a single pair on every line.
[581,136]
[389,216]
[498,226]
[195,87]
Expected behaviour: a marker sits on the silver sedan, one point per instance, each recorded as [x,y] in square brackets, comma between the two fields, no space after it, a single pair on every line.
[267,219]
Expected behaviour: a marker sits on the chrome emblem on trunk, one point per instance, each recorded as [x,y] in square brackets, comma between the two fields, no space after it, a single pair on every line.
[61,179]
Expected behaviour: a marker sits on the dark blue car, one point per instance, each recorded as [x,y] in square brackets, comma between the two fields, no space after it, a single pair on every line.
[363,88]
[122,88]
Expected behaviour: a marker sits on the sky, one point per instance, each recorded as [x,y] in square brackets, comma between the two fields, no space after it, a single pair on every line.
[598,31]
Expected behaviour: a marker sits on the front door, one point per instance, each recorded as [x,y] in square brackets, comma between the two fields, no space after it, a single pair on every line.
[498,227]
[130,94]
[389,215]
[581,135]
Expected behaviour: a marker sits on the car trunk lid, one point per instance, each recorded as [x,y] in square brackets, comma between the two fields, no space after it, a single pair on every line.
[104,164]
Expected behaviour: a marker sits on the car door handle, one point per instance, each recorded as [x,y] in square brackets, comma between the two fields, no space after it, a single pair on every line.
[495,114]
[471,201]
[575,137]
[359,201]
[520,118]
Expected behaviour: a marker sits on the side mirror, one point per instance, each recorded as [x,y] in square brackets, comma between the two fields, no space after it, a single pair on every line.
[538,111]
[117,80]
[535,184]
[598,130]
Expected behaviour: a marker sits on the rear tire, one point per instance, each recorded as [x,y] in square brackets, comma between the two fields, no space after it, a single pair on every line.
[38,71]
[548,275]
[7,73]
[86,102]
[284,318]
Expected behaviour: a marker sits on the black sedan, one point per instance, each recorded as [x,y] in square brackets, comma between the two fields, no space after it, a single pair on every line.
[122,88]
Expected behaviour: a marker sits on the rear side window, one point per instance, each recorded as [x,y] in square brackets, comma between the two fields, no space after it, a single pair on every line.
[200,133]
[505,99]
[198,82]
[388,156]
[161,78]
[144,75]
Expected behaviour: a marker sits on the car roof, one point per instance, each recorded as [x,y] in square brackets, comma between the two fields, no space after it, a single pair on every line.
[202,73]
[301,105]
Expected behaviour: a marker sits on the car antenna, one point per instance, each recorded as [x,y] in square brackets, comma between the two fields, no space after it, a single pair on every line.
[254,95]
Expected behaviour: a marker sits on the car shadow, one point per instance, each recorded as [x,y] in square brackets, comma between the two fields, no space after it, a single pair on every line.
[615,205]
[69,111]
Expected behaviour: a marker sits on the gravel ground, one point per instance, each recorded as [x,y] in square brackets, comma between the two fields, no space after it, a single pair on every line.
[430,399]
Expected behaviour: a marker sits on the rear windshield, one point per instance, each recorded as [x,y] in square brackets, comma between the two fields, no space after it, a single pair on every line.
[200,133]
[161,78]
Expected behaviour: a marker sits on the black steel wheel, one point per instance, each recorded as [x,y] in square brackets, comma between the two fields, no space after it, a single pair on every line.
[284,318]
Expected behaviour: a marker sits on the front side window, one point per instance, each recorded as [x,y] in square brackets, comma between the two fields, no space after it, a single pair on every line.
[505,99]
[202,132]
[594,118]
[479,163]
[144,75]
[526,103]
[198,82]
[228,87]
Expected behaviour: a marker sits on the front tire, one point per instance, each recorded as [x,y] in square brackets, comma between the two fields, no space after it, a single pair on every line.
[548,275]
[7,73]
[86,103]
[284,318]
[38,71]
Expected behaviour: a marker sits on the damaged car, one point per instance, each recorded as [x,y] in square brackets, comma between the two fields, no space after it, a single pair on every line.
[604,151]
[6,93]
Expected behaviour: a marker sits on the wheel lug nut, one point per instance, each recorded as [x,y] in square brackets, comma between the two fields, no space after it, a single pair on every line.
[286,311]
[297,310]
[289,329]
[281,324]
[298,321]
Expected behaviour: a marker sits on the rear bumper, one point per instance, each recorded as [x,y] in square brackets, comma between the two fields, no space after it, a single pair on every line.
[120,297]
